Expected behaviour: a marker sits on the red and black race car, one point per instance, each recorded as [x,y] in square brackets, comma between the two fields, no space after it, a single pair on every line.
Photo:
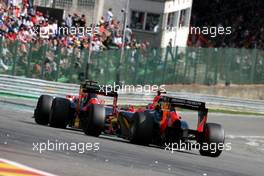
[159,123]
[73,111]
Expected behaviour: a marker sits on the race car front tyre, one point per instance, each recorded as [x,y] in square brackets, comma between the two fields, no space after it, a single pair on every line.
[141,128]
[212,140]
[60,111]
[43,109]
[93,120]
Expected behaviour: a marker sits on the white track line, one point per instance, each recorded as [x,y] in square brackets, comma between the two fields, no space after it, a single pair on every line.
[26,167]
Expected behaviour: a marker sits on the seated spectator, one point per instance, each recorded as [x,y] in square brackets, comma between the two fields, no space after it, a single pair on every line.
[102,21]
[118,40]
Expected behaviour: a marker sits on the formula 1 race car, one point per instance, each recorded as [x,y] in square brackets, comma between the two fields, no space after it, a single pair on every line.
[84,111]
[159,123]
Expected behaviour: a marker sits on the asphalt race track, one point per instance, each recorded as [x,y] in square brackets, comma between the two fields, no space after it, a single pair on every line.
[18,132]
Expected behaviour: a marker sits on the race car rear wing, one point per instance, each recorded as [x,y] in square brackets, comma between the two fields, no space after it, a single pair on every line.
[192,105]
[184,103]
[93,87]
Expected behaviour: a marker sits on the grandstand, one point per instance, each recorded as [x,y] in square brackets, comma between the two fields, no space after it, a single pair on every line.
[154,43]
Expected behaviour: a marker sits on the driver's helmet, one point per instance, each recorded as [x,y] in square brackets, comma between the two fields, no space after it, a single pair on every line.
[156,101]
[88,97]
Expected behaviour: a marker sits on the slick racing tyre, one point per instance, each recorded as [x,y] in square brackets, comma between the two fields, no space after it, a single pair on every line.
[60,111]
[43,109]
[93,120]
[141,128]
[211,139]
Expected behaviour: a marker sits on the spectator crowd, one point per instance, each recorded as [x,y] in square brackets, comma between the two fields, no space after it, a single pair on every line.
[23,23]
[22,43]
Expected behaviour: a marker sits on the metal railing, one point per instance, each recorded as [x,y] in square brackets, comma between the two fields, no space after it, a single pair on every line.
[208,66]
[33,88]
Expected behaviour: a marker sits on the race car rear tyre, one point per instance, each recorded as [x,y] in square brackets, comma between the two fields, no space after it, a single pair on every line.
[93,120]
[141,129]
[60,111]
[43,109]
[212,140]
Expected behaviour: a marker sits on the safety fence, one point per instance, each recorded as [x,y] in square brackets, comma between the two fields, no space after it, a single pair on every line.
[209,66]
[33,88]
